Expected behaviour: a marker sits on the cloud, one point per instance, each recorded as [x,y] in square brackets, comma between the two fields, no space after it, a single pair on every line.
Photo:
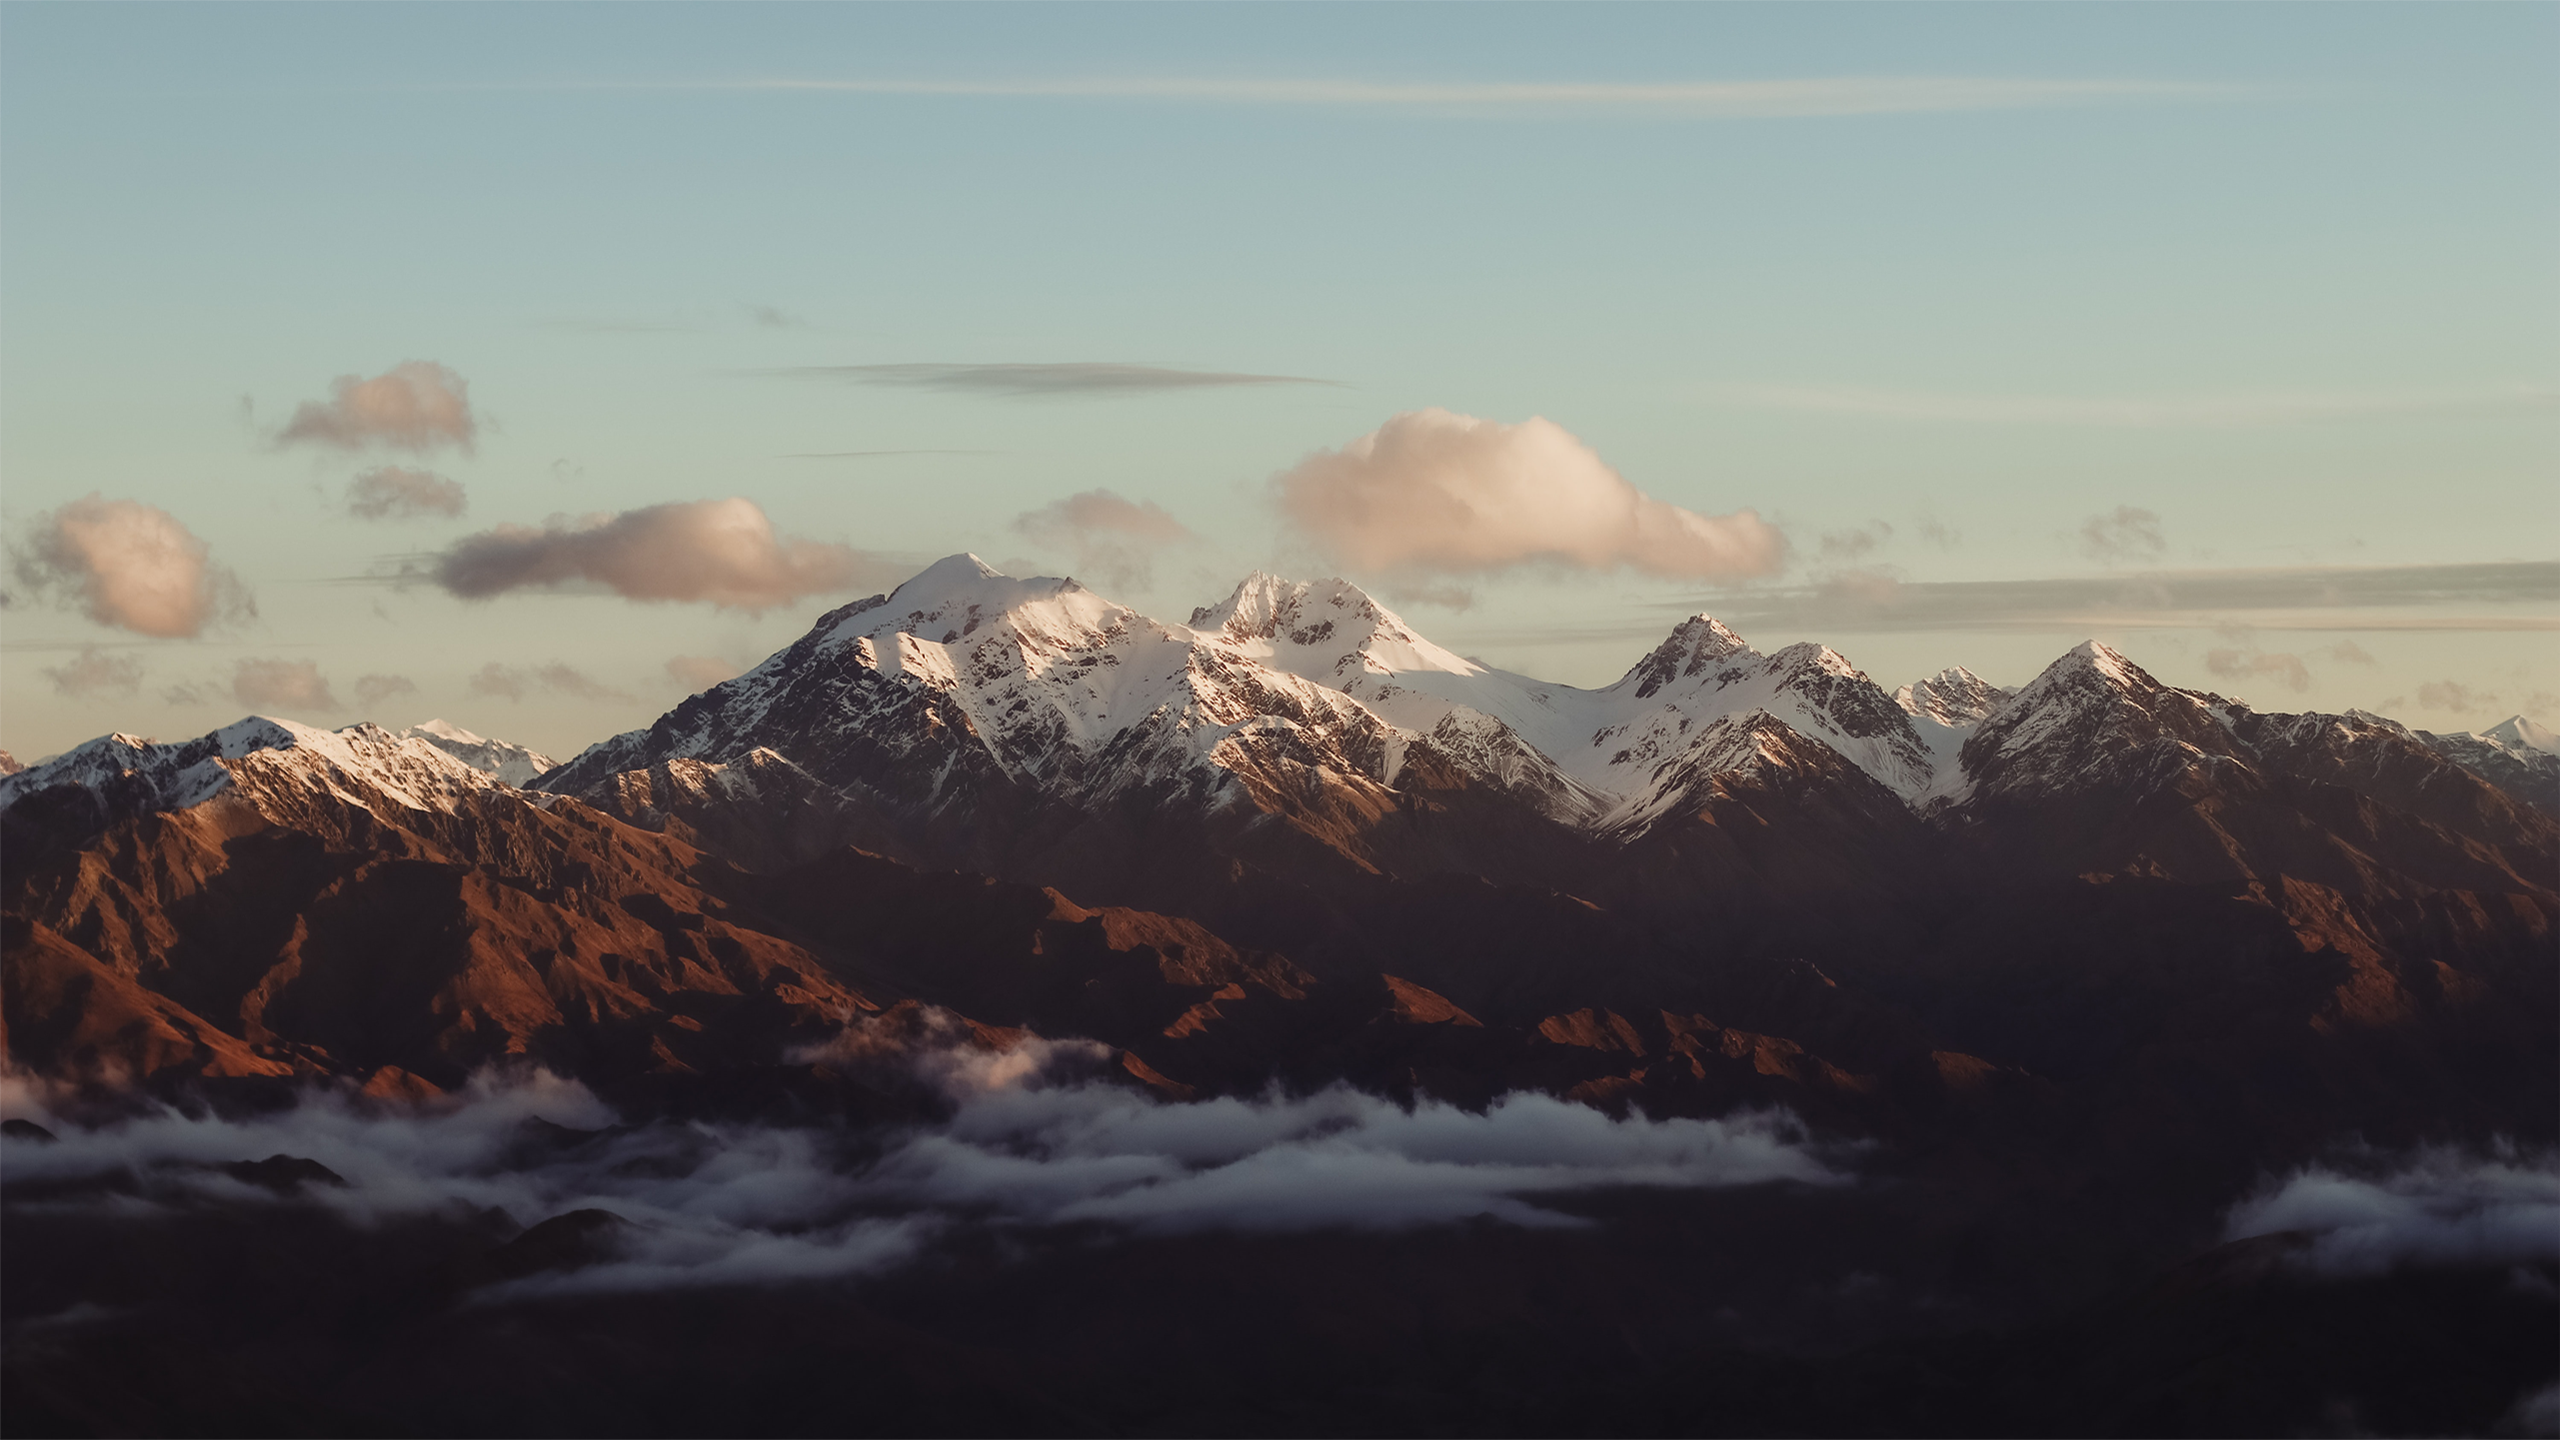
[2319,598]
[2128,534]
[2452,695]
[878,454]
[700,672]
[1447,597]
[1431,492]
[1034,1137]
[2373,1212]
[130,565]
[514,682]
[1112,538]
[1857,543]
[416,405]
[1031,381]
[2246,664]
[372,690]
[281,685]
[390,492]
[723,552]
[2349,652]
[772,318]
[2175,412]
[93,674]
[1699,99]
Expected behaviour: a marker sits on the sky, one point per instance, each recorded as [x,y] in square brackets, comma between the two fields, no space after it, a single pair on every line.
[533,365]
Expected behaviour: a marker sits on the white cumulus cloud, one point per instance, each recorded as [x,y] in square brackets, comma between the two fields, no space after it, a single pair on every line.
[1435,492]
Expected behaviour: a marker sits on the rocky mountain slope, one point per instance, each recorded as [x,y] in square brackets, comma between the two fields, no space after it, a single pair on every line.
[1304,733]
[2057,972]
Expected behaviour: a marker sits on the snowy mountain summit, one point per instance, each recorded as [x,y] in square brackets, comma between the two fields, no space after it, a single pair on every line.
[964,681]
[513,764]
[970,694]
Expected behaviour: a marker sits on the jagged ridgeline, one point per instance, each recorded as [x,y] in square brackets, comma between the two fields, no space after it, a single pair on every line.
[1294,773]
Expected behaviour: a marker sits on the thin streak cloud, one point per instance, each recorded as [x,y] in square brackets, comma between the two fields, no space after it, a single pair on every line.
[1703,99]
[1034,381]
[2162,412]
[2379,597]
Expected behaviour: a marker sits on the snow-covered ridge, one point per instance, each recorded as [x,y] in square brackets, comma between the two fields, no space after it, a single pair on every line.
[360,764]
[511,763]
[1079,697]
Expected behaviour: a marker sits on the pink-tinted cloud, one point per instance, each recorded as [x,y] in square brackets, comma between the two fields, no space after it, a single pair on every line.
[130,565]
[392,492]
[372,690]
[281,685]
[1112,538]
[1435,492]
[416,405]
[94,674]
[723,552]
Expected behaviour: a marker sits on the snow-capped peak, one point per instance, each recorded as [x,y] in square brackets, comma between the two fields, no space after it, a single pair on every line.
[2517,733]
[514,764]
[1693,645]
[1954,697]
[362,763]
[1329,631]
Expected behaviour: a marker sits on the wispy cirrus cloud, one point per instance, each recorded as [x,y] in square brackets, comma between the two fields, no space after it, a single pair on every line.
[1031,381]
[2135,412]
[1801,98]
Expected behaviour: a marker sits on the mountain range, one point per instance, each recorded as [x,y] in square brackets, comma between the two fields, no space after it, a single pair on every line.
[2093,945]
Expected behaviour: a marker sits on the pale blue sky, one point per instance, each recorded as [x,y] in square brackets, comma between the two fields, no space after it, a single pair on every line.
[2290,285]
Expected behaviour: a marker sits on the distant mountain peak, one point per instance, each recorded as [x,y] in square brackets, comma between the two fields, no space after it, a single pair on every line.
[2517,733]
[514,764]
[1954,697]
[1692,646]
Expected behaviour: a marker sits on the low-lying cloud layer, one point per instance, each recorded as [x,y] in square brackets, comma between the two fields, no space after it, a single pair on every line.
[2439,1206]
[722,552]
[1114,539]
[393,492]
[130,565]
[416,405]
[1432,492]
[1078,378]
[1027,1143]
